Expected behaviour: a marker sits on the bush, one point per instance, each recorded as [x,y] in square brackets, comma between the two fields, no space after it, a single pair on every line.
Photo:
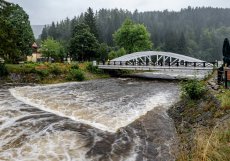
[93,69]
[224,99]
[3,70]
[54,69]
[115,54]
[74,66]
[76,74]
[42,73]
[19,68]
[193,88]
[41,70]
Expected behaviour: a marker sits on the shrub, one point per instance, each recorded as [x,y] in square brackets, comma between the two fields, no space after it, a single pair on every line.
[93,69]
[112,55]
[20,68]
[31,65]
[3,70]
[224,99]
[43,73]
[54,69]
[74,66]
[41,70]
[115,54]
[76,74]
[193,88]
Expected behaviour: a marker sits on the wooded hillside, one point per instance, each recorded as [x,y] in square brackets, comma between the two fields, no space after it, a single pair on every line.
[197,32]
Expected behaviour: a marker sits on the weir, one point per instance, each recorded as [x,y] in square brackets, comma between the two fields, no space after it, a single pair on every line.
[81,120]
[104,107]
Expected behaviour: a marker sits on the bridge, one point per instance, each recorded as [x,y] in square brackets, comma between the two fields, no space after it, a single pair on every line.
[156,60]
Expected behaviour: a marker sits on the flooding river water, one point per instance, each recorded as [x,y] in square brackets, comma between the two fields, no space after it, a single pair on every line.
[106,120]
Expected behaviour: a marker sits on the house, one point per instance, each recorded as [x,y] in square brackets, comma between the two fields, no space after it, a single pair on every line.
[36,56]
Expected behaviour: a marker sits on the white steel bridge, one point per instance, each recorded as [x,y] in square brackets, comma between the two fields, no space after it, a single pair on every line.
[156,60]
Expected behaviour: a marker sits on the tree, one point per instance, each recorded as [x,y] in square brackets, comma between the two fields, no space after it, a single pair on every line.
[83,45]
[53,30]
[192,22]
[171,42]
[181,49]
[44,34]
[90,20]
[115,54]
[52,49]
[103,52]
[133,37]
[16,35]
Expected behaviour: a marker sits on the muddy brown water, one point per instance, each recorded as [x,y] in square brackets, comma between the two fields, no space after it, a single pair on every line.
[106,120]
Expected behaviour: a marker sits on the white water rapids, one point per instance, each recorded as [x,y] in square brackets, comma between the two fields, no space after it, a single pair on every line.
[93,120]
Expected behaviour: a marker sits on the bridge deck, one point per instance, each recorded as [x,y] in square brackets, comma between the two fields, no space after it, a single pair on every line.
[130,67]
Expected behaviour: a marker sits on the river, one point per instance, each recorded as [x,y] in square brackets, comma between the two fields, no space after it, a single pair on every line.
[99,120]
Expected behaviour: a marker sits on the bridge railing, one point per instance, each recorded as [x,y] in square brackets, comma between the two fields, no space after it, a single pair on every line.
[169,64]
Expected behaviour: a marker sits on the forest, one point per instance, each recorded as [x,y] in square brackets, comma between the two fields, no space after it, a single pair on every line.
[197,32]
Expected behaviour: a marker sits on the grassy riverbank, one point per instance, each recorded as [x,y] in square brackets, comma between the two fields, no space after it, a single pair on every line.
[203,126]
[49,73]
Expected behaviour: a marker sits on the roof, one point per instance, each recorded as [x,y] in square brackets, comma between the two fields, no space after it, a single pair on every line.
[35,45]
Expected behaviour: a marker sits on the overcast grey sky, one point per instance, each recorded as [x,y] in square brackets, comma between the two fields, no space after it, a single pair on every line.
[45,11]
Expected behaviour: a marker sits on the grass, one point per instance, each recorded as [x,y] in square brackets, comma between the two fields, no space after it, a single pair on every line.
[224,98]
[19,68]
[204,127]
[209,145]
[56,72]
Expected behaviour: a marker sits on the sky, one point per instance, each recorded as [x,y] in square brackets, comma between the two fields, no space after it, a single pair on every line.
[43,12]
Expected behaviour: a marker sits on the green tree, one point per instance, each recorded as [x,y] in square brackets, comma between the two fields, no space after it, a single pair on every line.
[171,42]
[44,34]
[52,49]
[53,30]
[90,20]
[115,54]
[133,37]
[83,45]
[192,22]
[16,35]
[182,45]
[103,52]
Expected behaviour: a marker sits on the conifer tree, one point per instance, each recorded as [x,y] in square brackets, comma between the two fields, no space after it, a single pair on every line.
[90,20]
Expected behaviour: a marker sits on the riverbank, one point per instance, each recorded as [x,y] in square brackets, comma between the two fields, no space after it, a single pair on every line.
[203,126]
[51,73]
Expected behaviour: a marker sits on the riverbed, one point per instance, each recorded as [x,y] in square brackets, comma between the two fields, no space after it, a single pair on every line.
[109,119]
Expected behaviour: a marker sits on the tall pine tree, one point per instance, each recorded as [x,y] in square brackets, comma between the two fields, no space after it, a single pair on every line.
[90,20]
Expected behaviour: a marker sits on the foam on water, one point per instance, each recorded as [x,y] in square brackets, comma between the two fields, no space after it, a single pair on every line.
[107,110]
[28,133]
[58,146]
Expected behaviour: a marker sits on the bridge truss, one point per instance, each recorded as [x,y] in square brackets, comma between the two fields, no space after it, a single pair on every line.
[151,60]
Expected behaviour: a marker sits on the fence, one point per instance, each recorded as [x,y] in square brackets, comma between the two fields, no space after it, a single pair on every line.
[147,63]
